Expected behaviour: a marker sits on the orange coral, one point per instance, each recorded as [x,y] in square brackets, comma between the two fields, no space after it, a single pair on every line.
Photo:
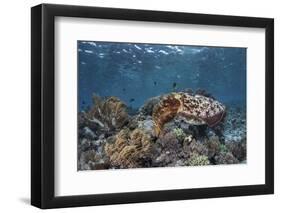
[129,148]
[110,114]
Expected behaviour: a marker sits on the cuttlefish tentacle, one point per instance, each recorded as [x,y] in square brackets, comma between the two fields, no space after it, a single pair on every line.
[197,110]
[165,111]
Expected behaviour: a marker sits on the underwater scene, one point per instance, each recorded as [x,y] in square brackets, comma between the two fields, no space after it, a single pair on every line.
[160,105]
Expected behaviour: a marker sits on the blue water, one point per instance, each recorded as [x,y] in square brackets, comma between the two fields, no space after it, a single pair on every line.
[135,72]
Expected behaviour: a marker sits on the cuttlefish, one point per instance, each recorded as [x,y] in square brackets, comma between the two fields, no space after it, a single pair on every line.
[194,109]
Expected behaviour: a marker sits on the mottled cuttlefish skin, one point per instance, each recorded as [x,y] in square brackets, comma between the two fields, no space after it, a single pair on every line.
[195,109]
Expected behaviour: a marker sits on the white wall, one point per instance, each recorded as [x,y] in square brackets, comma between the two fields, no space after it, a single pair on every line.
[15,105]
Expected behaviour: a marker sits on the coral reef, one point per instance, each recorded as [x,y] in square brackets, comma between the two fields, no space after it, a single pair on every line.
[238,149]
[235,125]
[147,108]
[130,149]
[225,158]
[179,133]
[213,145]
[110,114]
[109,138]
[167,151]
[92,160]
[198,160]
[195,147]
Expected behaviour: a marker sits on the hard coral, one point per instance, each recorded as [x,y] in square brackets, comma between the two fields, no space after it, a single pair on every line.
[168,142]
[238,149]
[213,145]
[168,150]
[198,160]
[148,106]
[130,149]
[226,158]
[195,147]
[92,160]
[179,134]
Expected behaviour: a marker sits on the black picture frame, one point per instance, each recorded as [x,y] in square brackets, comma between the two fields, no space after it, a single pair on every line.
[43,102]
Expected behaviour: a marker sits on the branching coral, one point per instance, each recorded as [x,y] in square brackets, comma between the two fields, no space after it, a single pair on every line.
[167,149]
[198,160]
[179,133]
[195,147]
[226,158]
[238,149]
[92,160]
[110,114]
[213,145]
[130,149]
[212,150]
[223,148]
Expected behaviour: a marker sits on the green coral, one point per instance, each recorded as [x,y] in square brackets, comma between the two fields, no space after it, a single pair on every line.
[198,160]
[223,148]
[179,133]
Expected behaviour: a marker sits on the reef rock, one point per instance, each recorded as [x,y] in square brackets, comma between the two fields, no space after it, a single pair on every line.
[92,160]
[225,158]
[235,124]
[147,108]
[147,125]
[195,109]
[238,149]
[167,150]
[213,146]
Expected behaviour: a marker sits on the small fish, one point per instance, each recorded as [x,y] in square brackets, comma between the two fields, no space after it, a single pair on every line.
[174,85]
[132,100]
[124,90]
[155,83]
[83,103]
